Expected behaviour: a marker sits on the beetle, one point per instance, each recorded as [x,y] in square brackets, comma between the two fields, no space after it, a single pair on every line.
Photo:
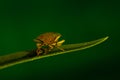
[48,40]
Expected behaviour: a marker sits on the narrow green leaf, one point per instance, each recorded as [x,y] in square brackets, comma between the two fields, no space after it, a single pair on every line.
[25,56]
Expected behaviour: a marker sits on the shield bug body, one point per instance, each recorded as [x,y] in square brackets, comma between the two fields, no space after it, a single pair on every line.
[49,41]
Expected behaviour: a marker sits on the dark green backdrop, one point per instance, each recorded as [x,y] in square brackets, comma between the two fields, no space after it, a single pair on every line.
[78,21]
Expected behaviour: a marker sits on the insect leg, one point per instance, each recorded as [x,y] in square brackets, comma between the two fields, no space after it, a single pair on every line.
[60,42]
[39,51]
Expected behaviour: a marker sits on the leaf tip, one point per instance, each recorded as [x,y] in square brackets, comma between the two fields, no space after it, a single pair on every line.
[105,38]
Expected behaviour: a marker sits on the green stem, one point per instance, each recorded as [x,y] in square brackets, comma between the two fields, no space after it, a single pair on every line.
[25,56]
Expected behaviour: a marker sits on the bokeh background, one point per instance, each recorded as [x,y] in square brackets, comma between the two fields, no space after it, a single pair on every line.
[78,21]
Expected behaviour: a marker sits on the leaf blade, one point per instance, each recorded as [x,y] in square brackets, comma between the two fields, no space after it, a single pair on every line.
[26,56]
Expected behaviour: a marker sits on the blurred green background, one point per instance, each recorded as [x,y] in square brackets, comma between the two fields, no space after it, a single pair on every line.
[78,21]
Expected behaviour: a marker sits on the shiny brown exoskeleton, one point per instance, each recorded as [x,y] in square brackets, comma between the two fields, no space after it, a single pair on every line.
[49,39]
